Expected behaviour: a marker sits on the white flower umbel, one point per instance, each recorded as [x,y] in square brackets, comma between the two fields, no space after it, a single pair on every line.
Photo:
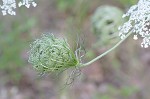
[9,6]
[138,23]
[27,3]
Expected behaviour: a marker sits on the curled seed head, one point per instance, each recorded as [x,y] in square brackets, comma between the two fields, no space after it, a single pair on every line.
[50,54]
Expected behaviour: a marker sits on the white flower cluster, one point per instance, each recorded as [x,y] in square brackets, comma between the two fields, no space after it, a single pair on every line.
[138,23]
[8,6]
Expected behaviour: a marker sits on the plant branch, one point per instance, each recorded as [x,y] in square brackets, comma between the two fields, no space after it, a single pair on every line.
[105,53]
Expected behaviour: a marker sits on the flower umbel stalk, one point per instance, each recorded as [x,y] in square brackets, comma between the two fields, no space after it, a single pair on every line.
[105,53]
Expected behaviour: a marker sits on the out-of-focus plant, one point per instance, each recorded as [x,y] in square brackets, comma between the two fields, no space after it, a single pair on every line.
[11,45]
[105,22]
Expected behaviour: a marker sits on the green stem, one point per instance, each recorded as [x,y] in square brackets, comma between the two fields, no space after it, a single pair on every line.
[105,53]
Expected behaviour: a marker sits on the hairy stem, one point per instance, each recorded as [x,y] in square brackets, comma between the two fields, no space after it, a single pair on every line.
[105,53]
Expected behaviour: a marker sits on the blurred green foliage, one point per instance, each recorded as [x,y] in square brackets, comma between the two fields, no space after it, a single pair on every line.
[128,3]
[77,15]
[12,44]
[76,8]
[64,5]
[112,92]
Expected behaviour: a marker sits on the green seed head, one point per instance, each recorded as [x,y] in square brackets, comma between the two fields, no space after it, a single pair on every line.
[105,22]
[50,54]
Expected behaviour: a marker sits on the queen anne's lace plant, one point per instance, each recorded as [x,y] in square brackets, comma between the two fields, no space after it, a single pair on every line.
[9,6]
[138,23]
[51,54]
